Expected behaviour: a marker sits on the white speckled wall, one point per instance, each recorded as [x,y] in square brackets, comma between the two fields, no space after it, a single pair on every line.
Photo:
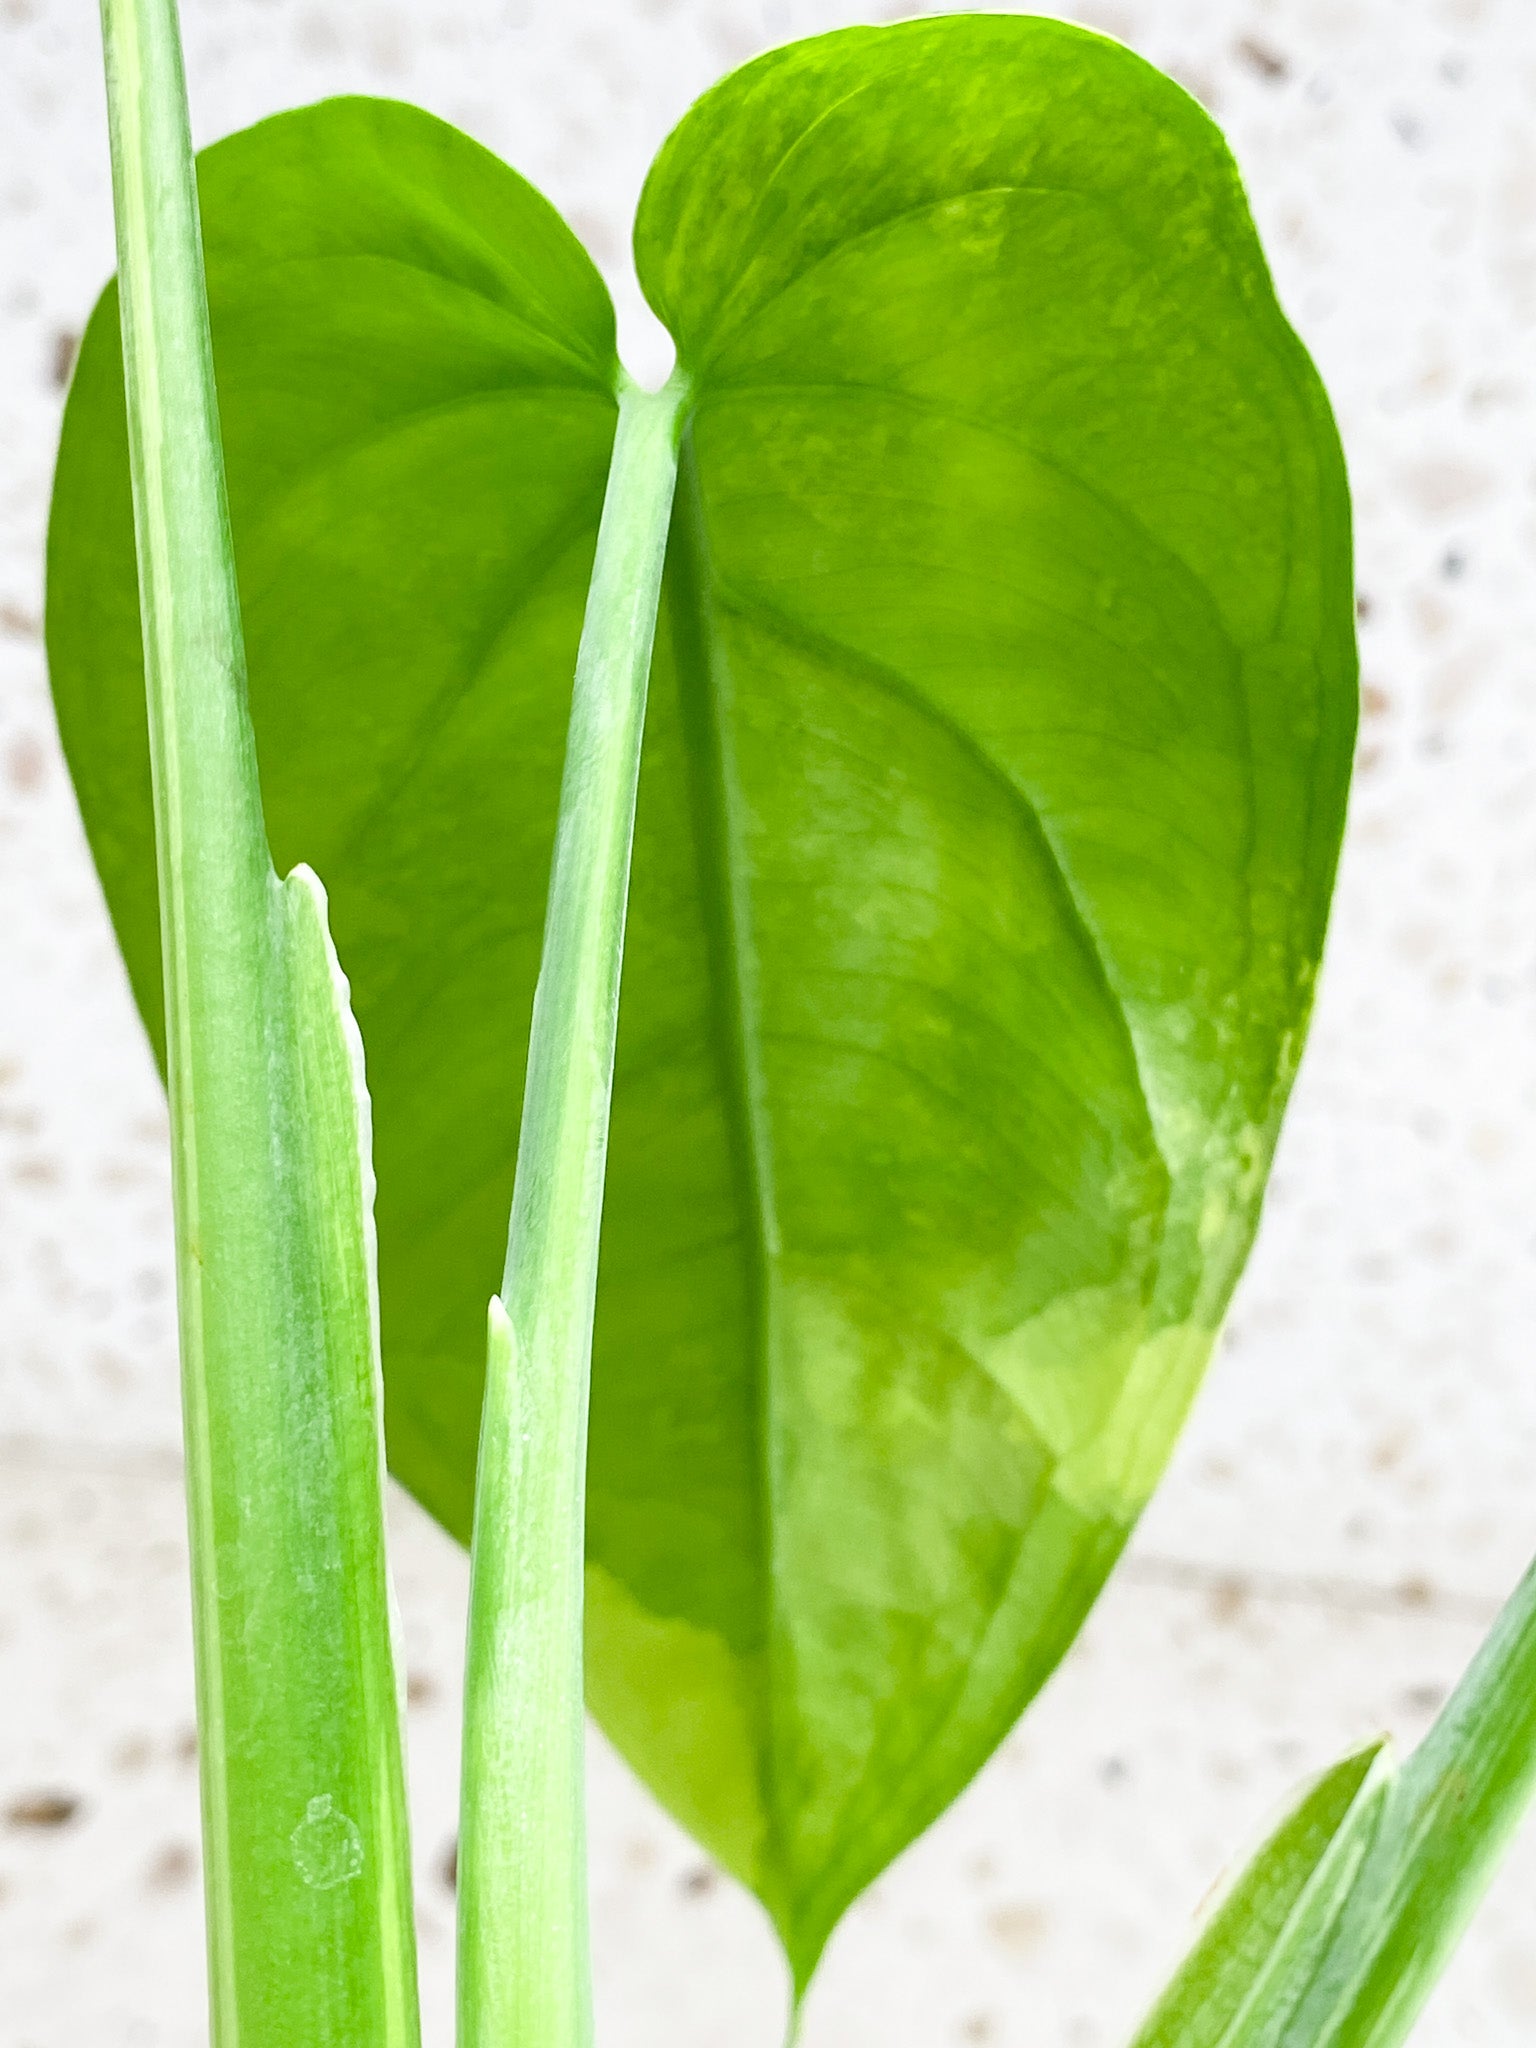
[1355,1493]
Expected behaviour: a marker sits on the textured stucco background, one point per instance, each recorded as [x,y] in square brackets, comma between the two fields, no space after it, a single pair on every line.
[1354,1496]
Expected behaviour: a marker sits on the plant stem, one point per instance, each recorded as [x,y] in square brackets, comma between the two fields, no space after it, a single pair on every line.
[524,1978]
[307,1858]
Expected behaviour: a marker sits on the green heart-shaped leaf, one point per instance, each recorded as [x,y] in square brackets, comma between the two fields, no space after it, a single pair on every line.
[995,771]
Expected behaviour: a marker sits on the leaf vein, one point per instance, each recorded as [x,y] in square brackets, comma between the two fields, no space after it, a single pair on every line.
[848,661]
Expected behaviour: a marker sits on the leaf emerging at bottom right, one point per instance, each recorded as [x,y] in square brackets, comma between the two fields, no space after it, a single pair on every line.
[1336,1932]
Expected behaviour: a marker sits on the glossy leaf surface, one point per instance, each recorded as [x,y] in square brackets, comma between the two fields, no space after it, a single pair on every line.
[998,758]
[994,776]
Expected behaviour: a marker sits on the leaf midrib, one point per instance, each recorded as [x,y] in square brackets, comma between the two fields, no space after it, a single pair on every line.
[694,595]
[714,805]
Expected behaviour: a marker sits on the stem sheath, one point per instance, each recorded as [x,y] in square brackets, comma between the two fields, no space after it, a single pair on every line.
[307,1864]
[524,1977]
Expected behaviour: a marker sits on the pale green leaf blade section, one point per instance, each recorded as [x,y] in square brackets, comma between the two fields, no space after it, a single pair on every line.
[307,1858]
[995,776]
[1246,1973]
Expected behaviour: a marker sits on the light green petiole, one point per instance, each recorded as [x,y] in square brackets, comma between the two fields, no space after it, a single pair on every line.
[524,1979]
[307,1857]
